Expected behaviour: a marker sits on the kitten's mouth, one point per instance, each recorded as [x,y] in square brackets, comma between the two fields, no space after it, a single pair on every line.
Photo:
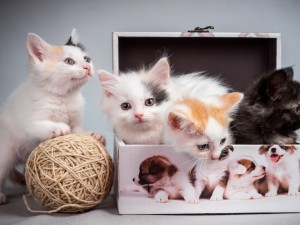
[275,158]
[85,77]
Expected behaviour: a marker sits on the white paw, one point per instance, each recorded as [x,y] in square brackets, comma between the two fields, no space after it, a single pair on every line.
[271,194]
[293,193]
[216,198]
[2,198]
[192,201]
[161,197]
[98,137]
[257,196]
[60,130]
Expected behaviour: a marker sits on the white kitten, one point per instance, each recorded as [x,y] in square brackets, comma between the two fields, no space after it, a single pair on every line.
[135,102]
[48,105]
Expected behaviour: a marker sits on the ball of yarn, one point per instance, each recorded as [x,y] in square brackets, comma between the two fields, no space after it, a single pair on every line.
[70,173]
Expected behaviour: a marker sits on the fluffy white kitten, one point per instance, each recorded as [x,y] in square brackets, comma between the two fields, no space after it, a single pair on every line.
[48,105]
[135,101]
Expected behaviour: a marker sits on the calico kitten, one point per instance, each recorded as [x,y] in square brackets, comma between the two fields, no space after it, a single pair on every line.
[48,105]
[135,101]
[200,128]
[270,110]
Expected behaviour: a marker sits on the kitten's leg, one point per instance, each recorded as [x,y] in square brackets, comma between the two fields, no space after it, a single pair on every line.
[7,162]
[46,129]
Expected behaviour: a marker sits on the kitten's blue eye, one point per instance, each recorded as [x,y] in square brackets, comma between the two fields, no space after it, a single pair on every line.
[222,141]
[87,59]
[203,147]
[69,61]
[125,106]
[150,102]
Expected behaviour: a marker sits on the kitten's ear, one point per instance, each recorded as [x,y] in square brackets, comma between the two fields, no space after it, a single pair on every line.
[74,40]
[276,81]
[160,72]
[37,47]
[178,121]
[231,100]
[108,82]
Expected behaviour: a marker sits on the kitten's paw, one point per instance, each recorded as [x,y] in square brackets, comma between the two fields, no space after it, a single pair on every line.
[98,137]
[60,130]
[2,198]
[161,197]
[271,194]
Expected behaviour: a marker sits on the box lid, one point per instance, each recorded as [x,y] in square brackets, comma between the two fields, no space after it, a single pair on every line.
[238,58]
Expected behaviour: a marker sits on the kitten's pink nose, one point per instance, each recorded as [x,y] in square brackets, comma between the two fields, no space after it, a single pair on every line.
[88,68]
[139,116]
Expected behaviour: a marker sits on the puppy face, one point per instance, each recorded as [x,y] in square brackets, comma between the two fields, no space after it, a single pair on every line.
[154,169]
[276,153]
[246,170]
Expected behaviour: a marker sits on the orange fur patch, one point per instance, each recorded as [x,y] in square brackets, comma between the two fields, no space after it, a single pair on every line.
[56,50]
[48,64]
[201,112]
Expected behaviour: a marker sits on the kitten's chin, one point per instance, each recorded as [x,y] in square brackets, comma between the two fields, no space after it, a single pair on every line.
[82,79]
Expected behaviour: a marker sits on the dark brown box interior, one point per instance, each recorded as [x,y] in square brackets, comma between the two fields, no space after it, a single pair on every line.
[237,60]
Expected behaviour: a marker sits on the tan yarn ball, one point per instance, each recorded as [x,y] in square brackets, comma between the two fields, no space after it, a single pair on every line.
[70,173]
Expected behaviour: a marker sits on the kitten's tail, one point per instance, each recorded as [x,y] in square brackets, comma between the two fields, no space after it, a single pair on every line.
[17,177]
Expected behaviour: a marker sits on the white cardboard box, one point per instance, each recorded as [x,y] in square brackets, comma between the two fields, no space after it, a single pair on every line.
[238,58]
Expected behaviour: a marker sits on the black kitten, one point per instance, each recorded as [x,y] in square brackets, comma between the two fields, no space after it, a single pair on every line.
[270,110]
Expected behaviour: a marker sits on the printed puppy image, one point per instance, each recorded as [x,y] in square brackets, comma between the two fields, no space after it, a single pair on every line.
[208,175]
[282,168]
[243,172]
[162,179]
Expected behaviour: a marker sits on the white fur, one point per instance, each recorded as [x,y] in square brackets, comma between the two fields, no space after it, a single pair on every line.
[172,187]
[129,88]
[283,173]
[49,104]
[208,175]
[240,183]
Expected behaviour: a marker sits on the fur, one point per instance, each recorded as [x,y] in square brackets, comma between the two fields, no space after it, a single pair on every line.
[209,175]
[163,180]
[200,128]
[270,110]
[282,169]
[48,105]
[143,124]
[243,172]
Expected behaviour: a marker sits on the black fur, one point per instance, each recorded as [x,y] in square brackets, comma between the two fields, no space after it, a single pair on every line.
[270,110]
[160,95]
[79,45]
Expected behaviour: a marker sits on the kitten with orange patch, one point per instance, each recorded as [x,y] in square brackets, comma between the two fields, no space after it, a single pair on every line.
[200,128]
[48,105]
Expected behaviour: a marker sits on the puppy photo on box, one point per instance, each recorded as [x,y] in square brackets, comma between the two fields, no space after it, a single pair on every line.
[282,169]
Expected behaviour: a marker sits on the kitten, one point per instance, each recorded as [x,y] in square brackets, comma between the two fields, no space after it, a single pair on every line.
[48,105]
[135,101]
[270,110]
[200,128]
